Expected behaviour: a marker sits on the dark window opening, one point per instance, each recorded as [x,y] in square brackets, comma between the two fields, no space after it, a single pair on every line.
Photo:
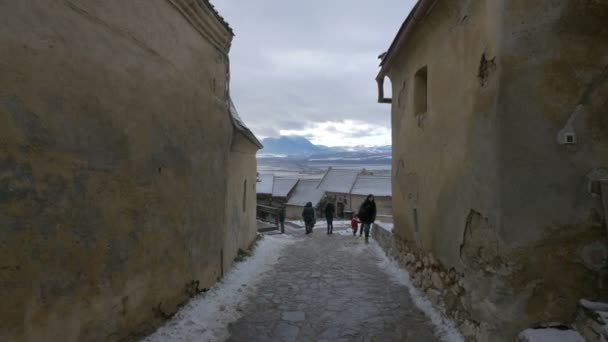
[421,91]
[416,220]
[245,195]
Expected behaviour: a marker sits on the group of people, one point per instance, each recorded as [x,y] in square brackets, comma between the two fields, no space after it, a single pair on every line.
[366,215]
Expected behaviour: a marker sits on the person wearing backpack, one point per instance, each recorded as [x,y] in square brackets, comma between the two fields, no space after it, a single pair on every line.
[308,215]
[367,215]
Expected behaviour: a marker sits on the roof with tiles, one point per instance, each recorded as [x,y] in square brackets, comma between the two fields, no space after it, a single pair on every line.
[338,180]
[306,191]
[377,186]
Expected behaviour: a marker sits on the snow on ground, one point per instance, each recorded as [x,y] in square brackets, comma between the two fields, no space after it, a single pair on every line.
[298,223]
[444,328]
[206,317]
[322,224]
[348,231]
[591,305]
[550,335]
[386,226]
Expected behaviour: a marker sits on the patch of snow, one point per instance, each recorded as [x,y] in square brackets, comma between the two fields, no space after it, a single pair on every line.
[550,335]
[281,187]
[306,191]
[599,306]
[296,222]
[338,180]
[386,226]
[271,155]
[206,317]
[264,183]
[376,185]
[348,231]
[445,329]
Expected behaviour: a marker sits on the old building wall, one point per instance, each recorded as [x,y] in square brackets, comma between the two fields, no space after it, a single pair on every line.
[496,157]
[293,212]
[443,126]
[114,134]
[241,227]
[553,87]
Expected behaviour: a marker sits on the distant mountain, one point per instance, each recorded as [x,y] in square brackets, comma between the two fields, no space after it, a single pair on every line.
[295,147]
[290,146]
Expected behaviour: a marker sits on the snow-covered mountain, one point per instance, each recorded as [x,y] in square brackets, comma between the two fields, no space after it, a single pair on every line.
[295,147]
[290,146]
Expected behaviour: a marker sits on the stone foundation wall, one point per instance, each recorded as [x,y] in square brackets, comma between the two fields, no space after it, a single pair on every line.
[443,287]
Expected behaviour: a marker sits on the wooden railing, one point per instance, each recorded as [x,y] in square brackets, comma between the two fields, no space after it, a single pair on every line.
[268,214]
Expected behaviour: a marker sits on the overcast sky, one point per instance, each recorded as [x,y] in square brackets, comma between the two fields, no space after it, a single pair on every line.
[308,67]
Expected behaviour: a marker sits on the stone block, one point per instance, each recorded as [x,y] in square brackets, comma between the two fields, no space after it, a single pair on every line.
[434,296]
[437,282]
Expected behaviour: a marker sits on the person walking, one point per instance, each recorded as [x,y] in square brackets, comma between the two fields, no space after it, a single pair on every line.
[308,215]
[329,216]
[282,219]
[367,215]
[354,224]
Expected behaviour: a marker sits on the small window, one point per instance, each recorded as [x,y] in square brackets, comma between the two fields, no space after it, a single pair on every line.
[245,195]
[421,92]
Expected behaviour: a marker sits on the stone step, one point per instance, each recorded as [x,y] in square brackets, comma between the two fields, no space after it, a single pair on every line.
[551,334]
[591,320]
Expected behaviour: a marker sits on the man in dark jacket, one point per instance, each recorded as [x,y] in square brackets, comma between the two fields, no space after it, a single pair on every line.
[308,215]
[329,216]
[367,215]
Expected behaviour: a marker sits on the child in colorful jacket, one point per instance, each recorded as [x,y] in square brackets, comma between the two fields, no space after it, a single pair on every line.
[354,224]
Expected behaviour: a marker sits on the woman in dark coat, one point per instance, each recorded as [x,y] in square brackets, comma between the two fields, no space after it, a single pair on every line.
[308,215]
[367,215]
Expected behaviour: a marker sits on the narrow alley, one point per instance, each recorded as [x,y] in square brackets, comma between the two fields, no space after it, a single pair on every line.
[322,288]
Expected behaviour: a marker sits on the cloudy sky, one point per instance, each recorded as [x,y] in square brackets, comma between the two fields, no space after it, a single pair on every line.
[308,67]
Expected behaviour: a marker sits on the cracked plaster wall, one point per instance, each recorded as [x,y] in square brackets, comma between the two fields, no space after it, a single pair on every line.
[496,197]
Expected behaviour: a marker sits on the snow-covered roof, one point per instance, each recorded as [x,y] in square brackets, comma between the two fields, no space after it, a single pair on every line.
[375,185]
[306,191]
[265,184]
[283,186]
[338,180]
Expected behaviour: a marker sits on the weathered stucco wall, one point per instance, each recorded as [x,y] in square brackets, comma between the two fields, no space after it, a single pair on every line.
[114,137]
[293,212]
[497,199]
[443,160]
[241,227]
[554,57]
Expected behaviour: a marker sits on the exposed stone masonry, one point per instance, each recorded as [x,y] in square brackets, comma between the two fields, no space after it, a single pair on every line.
[444,288]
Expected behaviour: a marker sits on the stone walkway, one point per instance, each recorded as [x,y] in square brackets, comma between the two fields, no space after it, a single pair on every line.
[330,288]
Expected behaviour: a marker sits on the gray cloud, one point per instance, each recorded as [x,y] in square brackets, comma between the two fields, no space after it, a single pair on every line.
[299,63]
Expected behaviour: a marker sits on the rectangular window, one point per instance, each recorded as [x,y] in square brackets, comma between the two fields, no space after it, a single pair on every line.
[245,195]
[421,91]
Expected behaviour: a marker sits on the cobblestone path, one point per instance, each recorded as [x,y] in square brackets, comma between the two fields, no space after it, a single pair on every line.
[330,288]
